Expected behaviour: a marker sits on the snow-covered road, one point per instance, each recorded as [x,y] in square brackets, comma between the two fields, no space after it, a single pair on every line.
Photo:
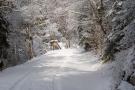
[69,69]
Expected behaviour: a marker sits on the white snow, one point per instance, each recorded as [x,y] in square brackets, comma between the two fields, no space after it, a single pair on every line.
[125,86]
[67,69]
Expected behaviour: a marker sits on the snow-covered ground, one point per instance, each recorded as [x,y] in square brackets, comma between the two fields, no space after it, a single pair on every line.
[67,69]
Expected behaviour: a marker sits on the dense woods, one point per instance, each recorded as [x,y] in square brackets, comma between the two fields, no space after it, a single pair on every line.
[30,28]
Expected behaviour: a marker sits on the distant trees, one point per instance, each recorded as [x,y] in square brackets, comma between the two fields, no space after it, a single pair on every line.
[63,29]
[98,13]
[93,26]
[28,39]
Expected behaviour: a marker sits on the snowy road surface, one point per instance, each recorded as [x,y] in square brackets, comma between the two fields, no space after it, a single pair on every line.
[69,69]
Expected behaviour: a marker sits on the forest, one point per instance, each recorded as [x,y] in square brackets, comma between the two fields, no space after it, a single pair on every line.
[67,44]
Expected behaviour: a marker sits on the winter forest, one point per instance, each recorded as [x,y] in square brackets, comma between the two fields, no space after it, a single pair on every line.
[67,44]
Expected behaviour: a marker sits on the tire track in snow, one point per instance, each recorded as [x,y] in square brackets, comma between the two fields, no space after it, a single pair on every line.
[57,82]
[56,79]
[23,78]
